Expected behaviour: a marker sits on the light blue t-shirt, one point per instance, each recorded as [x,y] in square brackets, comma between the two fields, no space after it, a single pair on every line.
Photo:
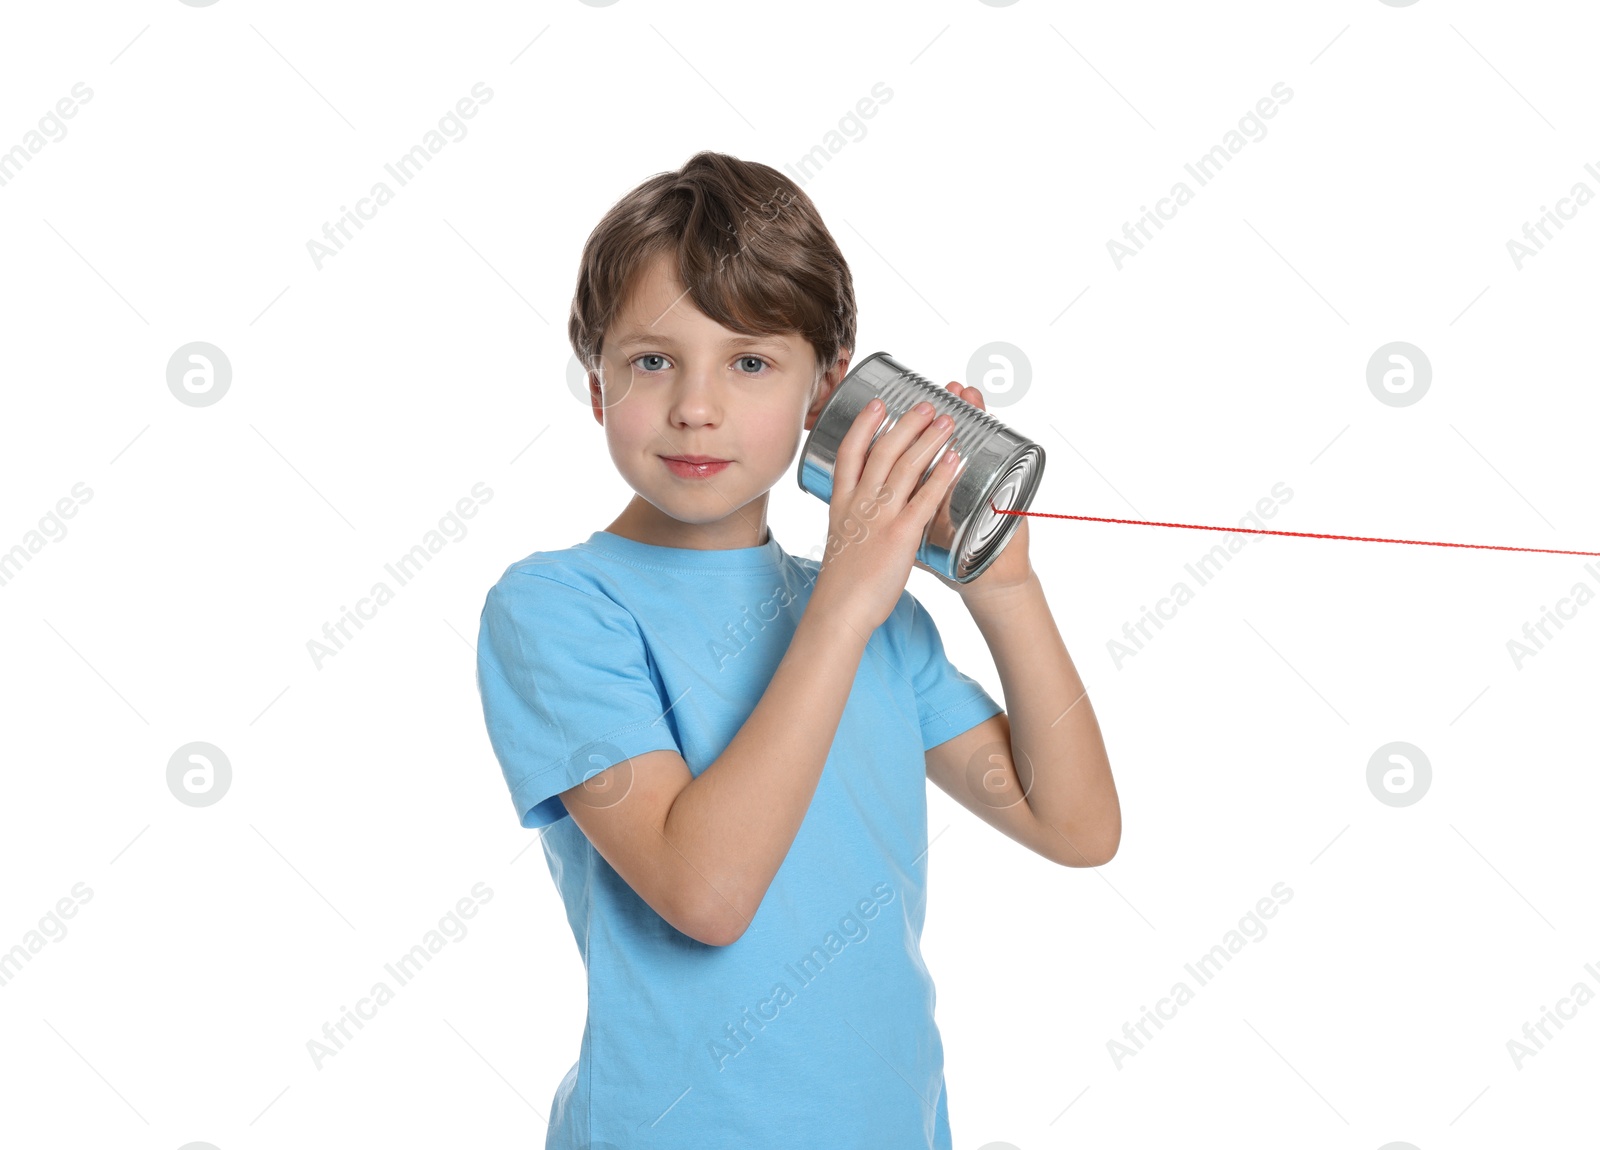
[816,1028]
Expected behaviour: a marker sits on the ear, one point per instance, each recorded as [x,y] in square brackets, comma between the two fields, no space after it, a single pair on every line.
[823,391]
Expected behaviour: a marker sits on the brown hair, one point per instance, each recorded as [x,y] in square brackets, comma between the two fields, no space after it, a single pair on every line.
[751,249]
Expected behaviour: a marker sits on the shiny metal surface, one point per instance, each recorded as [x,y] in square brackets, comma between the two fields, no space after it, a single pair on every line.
[997,465]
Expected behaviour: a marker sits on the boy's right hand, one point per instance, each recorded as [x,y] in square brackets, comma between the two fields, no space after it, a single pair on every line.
[875,519]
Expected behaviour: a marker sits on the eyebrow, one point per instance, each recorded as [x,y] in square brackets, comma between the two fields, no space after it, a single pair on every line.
[630,337]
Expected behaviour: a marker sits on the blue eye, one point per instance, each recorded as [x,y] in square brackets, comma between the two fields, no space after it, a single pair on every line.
[762,366]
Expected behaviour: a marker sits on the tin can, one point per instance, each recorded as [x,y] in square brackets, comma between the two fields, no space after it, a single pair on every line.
[997,465]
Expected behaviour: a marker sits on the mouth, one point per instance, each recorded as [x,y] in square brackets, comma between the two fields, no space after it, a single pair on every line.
[694,466]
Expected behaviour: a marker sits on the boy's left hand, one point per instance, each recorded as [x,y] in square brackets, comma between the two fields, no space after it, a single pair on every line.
[1011,567]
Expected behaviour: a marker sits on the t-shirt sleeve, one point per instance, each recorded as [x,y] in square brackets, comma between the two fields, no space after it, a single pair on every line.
[568,689]
[948,701]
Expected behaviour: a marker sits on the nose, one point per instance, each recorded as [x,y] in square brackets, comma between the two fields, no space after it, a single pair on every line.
[696,398]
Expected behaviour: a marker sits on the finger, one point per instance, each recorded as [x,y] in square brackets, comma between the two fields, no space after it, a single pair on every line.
[932,492]
[909,470]
[884,455]
[850,461]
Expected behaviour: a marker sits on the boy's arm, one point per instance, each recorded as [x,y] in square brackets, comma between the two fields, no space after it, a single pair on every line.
[702,851]
[1046,781]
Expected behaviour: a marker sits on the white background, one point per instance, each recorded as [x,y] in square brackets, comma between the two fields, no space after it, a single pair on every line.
[369,396]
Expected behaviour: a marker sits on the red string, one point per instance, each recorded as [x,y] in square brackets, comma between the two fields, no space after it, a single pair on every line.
[1300,534]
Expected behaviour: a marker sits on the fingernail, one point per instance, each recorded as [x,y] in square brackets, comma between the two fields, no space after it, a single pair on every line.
[924,408]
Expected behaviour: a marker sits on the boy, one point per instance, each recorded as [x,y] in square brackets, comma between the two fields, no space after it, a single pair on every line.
[740,736]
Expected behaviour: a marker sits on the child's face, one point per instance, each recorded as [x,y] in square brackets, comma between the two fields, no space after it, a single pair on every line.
[678,383]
